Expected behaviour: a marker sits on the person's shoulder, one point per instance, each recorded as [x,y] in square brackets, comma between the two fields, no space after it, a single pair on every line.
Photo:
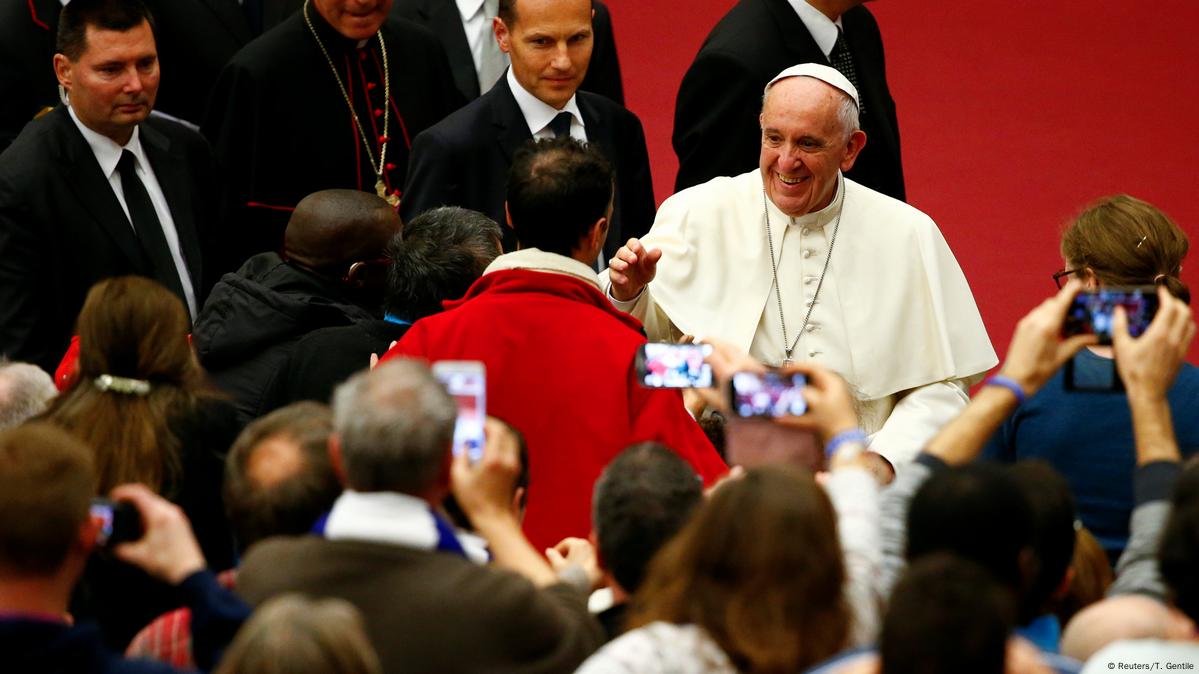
[860,18]
[714,193]
[660,647]
[880,207]
[466,125]
[273,50]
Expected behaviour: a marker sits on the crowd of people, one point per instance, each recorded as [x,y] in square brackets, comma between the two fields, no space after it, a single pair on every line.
[223,446]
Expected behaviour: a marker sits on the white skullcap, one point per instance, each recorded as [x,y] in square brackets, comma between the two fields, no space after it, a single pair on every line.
[829,76]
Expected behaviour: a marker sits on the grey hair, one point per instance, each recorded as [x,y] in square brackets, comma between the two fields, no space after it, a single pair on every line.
[847,111]
[395,424]
[25,392]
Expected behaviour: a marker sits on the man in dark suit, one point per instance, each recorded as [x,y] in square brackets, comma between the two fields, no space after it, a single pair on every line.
[446,19]
[464,160]
[716,130]
[97,189]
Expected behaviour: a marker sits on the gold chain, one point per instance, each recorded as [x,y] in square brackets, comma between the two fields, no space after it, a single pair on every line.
[380,186]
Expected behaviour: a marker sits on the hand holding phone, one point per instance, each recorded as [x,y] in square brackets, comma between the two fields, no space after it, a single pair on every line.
[1092,311]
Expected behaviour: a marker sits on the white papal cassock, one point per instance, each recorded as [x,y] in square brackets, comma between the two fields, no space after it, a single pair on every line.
[894,316]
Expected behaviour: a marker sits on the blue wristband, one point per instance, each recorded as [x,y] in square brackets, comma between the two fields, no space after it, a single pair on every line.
[1009,384]
[851,435]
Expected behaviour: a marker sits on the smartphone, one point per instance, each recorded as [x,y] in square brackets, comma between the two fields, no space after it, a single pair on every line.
[769,394]
[120,522]
[666,365]
[1092,311]
[1093,375]
[466,381]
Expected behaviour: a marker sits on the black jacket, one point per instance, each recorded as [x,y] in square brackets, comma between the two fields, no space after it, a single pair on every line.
[253,319]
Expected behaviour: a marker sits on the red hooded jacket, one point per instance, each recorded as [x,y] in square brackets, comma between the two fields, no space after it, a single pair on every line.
[560,369]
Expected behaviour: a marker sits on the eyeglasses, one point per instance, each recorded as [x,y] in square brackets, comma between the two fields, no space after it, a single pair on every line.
[1059,275]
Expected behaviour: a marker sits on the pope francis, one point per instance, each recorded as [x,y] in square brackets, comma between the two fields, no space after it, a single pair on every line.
[793,261]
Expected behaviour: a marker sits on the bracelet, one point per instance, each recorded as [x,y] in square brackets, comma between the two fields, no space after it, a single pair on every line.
[852,435]
[1009,384]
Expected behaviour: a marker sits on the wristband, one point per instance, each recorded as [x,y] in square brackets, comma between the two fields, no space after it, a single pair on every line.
[851,435]
[1009,384]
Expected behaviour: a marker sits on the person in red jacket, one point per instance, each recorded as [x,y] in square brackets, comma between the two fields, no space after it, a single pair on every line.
[559,358]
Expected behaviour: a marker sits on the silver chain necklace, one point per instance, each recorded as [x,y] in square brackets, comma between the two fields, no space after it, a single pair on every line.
[774,271]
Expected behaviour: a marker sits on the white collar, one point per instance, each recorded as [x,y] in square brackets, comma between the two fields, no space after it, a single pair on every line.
[468,8]
[822,29]
[393,518]
[538,114]
[106,150]
[539,260]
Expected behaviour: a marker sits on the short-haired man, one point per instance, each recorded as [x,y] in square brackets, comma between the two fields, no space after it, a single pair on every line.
[464,28]
[331,98]
[794,261]
[464,160]
[439,255]
[640,502]
[384,549]
[47,534]
[97,188]
[279,481]
[330,273]
[559,357]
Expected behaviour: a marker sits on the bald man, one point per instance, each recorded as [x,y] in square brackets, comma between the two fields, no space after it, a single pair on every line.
[330,274]
[793,261]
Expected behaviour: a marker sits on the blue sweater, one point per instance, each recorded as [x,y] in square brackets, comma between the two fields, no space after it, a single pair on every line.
[1087,438]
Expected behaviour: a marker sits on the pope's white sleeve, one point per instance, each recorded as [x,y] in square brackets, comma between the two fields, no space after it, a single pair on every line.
[658,326]
[917,417]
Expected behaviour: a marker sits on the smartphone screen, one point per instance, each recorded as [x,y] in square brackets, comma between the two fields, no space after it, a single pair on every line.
[1092,311]
[768,395]
[665,365]
[466,381]
[120,522]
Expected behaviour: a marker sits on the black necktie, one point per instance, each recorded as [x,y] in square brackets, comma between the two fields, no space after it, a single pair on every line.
[560,124]
[842,60]
[148,228]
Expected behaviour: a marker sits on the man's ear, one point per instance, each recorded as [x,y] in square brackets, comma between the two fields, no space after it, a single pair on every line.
[335,459]
[853,147]
[502,35]
[599,234]
[85,538]
[508,216]
[62,70]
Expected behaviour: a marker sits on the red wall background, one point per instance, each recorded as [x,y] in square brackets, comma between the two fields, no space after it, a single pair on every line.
[1013,116]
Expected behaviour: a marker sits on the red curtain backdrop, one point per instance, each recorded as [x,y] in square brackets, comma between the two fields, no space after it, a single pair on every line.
[1013,116]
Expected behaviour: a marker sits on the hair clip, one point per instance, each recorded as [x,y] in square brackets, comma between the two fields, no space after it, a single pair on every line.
[137,387]
[1142,240]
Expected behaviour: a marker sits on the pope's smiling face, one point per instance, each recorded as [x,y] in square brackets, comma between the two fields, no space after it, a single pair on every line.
[355,19]
[804,144]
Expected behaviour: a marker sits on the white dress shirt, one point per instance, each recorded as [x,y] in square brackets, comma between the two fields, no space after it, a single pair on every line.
[108,155]
[822,28]
[478,31]
[538,114]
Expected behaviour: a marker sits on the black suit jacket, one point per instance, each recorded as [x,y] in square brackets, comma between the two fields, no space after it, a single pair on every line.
[464,161]
[716,131]
[442,17]
[62,228]
[27,81]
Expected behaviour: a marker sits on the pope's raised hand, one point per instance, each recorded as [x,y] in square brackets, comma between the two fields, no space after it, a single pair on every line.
[632,269]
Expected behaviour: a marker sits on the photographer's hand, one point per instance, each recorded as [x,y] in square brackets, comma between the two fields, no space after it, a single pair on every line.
[167,549]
